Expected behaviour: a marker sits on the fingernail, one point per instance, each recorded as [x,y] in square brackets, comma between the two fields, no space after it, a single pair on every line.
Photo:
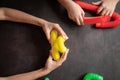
[67,37]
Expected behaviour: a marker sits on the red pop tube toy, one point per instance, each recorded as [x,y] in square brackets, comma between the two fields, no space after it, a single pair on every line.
[100,21]
[94,20]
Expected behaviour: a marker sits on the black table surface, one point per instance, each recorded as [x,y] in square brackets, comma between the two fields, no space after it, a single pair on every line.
[24,47]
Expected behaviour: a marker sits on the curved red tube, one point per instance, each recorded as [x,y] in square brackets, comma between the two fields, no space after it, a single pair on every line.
[87,6]
[101,22]
[94,20]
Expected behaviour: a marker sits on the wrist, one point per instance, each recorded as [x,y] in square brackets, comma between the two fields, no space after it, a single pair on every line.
[117,1]
[46,70]
[41,22]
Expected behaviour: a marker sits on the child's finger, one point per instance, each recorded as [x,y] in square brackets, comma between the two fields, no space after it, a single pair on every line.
[81,20]
[111,13]
[64,56]
[104,12]
[78,21]
[50,55]
[61,32]
[107,13]
[47,34]
[70,16]
[83,13]
[99,9]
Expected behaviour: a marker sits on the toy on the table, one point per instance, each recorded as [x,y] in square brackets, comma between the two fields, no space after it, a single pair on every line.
[46,78]
[57,45]
[100,21]
[92,76]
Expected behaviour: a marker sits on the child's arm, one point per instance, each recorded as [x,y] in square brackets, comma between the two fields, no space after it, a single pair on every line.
[49,66]
[107,7]
[19,16]
[75,12]
[28,76]
[2,78]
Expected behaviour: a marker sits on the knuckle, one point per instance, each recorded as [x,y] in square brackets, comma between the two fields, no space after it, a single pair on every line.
[103,5]
[60,64]
[56,24]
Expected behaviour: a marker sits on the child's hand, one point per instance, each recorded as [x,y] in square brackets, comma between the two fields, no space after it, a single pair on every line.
[107,7]
[75,13]
[49,26]
[52,65]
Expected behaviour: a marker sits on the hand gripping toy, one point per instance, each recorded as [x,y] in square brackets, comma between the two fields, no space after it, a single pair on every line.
[100,21]
[92,76]
[57,44]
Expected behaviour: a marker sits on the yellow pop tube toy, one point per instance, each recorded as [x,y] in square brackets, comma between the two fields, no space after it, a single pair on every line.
[57,45]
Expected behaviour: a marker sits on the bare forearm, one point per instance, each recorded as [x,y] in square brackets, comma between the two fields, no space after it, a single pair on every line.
[19,16]
[117,1]
[29,76]
[2,78]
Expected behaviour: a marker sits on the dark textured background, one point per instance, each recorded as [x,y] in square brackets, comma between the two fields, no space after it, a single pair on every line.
[23,47]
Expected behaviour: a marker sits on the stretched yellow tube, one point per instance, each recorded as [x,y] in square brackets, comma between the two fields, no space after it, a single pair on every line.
[57,44]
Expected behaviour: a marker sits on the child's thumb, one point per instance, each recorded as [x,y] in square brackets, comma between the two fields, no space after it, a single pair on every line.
[97,3]
[48,35]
